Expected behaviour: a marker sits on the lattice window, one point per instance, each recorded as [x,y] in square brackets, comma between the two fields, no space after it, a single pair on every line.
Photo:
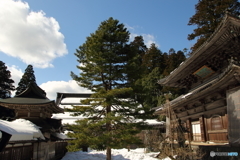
[196,131]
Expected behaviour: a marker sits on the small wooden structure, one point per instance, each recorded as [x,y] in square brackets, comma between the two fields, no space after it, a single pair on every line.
[33,105]
[211,108]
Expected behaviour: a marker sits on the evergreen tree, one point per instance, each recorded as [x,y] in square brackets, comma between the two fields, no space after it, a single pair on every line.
[153,58]
[151,88]
[170,60]
[27,77]
[109,111]
[154,63]
[209,14]
[173,60]
[135,69]
[6,83]
[137,50]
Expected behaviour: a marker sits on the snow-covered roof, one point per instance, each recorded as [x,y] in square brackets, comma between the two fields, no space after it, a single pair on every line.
[154,122]
[21,129]
[62,135]
[67,118]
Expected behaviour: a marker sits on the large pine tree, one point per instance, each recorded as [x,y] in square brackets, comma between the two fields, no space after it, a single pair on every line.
[209,14]
[6,83]
[27,77]
[103,65]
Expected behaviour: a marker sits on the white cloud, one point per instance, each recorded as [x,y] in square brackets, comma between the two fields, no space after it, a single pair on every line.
[30,36]
[129,27]
[148,38]
[16,74]
[52,87]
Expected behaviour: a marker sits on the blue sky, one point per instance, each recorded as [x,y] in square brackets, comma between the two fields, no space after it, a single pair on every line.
[46,33]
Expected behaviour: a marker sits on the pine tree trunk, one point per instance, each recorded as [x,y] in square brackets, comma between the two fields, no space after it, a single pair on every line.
[108,127]
[108,154]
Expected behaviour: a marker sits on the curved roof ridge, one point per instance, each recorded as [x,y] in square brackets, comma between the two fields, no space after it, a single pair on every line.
[33,91]
[226,21]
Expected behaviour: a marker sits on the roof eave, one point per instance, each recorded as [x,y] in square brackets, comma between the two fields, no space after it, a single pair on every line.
[176,75]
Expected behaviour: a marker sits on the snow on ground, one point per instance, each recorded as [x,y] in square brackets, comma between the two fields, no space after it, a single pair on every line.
[117,154]
[21,129]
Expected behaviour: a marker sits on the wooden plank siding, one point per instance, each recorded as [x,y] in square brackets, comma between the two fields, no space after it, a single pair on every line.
[17,153]
[217,128]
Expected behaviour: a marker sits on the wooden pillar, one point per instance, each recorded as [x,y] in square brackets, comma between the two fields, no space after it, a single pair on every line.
[189,126]
[168,126]
[203,130]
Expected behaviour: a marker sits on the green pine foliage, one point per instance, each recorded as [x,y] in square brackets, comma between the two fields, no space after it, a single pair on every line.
[136,70]
[123,77]
[152,88]
[137,50]
[6,83]
[209,14]
[27,77]
[153,58]
[110,112]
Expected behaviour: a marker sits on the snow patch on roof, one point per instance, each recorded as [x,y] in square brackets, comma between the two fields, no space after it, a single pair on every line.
[67,118]
[159,109]
[21,129]
[186,95]
[62,135]
[154,122]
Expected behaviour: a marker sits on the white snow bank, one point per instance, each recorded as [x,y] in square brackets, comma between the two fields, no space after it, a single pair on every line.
[21,129]
[117,154]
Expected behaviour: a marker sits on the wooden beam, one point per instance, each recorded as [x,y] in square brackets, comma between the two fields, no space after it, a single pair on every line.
[202,113]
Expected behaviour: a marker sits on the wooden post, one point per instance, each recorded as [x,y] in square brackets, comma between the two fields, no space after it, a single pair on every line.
[203,131]
[189,125]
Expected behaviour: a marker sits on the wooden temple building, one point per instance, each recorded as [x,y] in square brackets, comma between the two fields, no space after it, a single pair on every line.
[33,105]
[210,110]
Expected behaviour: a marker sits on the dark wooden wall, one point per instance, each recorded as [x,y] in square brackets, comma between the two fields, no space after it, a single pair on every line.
[216,127]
